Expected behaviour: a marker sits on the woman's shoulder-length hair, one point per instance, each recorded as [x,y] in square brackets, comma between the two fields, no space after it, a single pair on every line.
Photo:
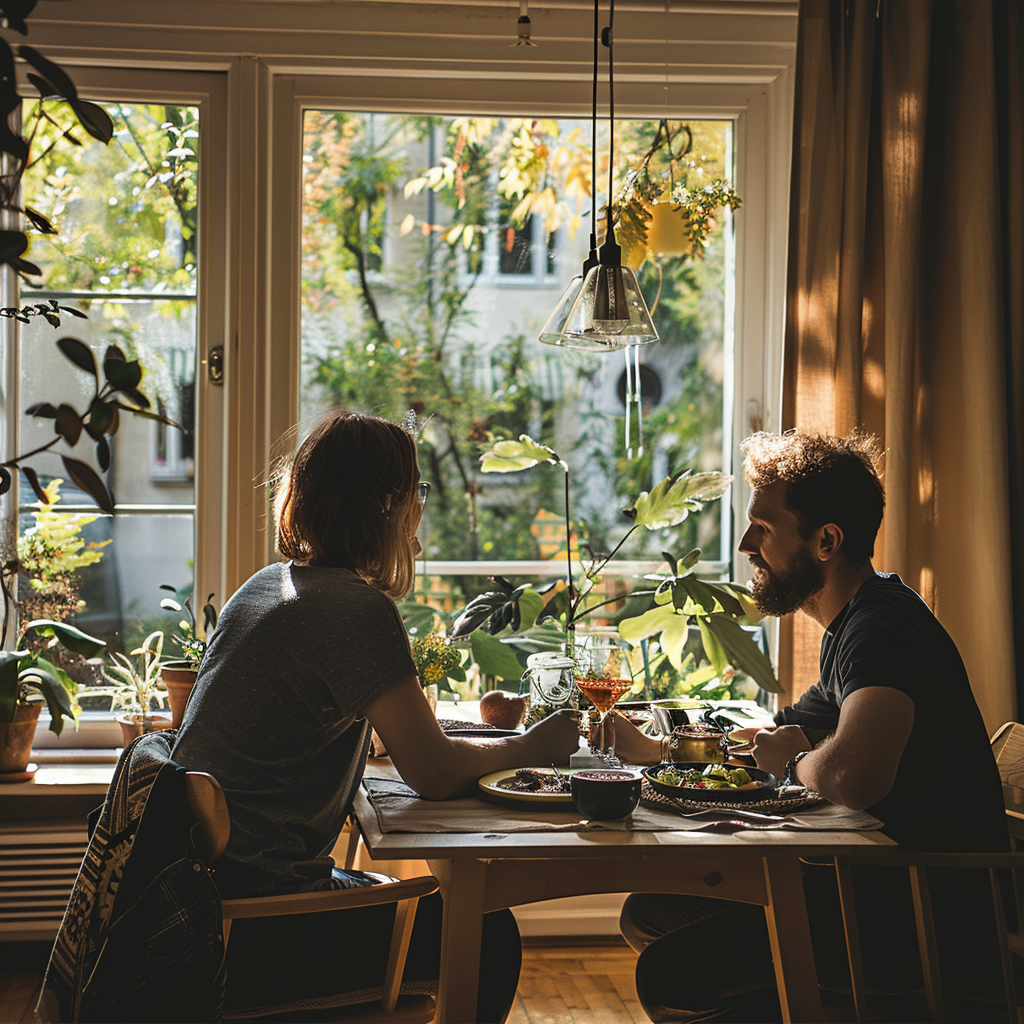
[347,499]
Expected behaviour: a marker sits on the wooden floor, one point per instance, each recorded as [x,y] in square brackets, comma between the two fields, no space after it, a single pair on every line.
[577,985]
[559,984]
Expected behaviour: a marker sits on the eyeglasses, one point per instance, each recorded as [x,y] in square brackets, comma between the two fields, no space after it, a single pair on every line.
[424,491]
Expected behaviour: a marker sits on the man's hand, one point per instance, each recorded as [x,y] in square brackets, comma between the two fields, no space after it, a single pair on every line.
[554,738]
[774,748]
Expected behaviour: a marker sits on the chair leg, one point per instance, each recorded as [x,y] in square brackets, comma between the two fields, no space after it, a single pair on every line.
[405,917]
[353,843]
[1009,989]
[926,941]
[845,880]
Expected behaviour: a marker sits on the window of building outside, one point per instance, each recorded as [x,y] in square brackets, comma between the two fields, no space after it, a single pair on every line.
[473,227]
[126,256]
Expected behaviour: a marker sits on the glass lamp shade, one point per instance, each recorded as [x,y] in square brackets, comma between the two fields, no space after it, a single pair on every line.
[609,312]
[551,332]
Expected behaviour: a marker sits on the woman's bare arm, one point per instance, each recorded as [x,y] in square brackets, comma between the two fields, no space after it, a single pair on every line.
[439,767]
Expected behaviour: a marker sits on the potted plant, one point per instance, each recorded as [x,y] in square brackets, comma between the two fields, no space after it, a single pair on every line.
[504,626]
[135,686]
[180,674]
[436,661]
[27,676]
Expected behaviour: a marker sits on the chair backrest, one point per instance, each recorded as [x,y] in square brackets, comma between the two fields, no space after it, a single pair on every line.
[213,824]
[966,866]
[1008,749]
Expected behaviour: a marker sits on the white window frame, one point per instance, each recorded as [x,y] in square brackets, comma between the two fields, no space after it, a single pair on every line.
[255,67]
[208,92]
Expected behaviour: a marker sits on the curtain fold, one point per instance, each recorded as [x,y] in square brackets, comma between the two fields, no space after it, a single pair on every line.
[905,307]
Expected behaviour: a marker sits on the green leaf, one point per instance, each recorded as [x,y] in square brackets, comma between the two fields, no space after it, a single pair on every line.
[33,481]
[712,647]
[88,479]
[12,245]
[10,662]
[530,606]
[38,221]
[709,596]
[79,353]
[94,119]
[675,497]
[751,612]
[652,622]
[73,639]
[123,375]
[743,652]
[418,617]
[688,561]
[102,454]
[515,456]
[57,699]
[69,424]
[44,409]
[494,658]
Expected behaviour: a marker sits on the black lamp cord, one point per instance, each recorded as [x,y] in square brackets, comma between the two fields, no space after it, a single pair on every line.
[608,39]
[593,143]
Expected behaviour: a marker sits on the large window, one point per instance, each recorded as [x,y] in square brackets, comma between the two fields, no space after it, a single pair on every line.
[277,302]
[126,256]
[433,249]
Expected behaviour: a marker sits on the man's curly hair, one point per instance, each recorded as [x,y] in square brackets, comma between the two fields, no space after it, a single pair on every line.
[828,480]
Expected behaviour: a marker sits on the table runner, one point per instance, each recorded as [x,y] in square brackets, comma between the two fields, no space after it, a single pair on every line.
[399,809]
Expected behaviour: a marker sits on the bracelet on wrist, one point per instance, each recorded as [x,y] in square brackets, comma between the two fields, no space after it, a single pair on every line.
[790,773]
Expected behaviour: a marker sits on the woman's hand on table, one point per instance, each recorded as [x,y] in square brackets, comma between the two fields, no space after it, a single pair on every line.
[439,767]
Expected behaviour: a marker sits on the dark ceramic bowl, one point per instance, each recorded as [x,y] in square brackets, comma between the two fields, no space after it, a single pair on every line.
[605,795]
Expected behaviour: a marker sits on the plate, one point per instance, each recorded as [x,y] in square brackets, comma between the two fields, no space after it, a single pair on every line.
[490,788]
[767,790]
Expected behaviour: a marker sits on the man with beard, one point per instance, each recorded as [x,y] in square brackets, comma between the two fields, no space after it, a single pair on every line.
[864,736]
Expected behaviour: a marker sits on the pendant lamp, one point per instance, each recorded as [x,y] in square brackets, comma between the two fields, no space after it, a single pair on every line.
[602,308]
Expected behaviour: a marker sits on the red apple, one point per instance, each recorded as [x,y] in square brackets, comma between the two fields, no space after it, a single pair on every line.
[501,709]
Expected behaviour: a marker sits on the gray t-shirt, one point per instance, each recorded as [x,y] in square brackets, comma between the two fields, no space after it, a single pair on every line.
[277,717]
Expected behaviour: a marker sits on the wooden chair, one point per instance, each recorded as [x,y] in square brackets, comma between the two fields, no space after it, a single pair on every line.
[918,865]
[206,800]
[1008,750]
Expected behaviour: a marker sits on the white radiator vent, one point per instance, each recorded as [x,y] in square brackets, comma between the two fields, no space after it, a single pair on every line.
[37,872]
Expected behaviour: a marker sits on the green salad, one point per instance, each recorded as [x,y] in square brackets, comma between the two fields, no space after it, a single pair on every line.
[714,776]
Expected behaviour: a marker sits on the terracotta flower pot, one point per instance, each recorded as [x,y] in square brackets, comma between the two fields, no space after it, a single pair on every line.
[136,725]
[179,679]
[16,738]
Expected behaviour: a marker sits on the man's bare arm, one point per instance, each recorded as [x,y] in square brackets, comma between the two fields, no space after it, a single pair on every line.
[857,767]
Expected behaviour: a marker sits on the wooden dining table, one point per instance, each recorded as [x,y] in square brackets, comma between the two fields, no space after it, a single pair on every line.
[483,871]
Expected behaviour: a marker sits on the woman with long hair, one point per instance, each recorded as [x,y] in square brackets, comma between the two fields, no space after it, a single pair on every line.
[309,654]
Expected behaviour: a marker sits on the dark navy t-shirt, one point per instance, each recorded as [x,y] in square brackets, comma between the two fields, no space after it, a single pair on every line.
[947,794]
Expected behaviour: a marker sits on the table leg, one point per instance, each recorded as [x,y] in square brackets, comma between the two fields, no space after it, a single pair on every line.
[462,884]
[790,935]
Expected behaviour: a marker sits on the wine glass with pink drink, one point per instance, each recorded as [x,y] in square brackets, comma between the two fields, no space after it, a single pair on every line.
[603,675]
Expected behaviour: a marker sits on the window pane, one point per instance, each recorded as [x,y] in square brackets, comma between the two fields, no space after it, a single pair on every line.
[478,224]
[124,255]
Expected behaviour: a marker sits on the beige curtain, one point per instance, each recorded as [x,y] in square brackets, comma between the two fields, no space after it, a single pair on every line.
[905,312]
